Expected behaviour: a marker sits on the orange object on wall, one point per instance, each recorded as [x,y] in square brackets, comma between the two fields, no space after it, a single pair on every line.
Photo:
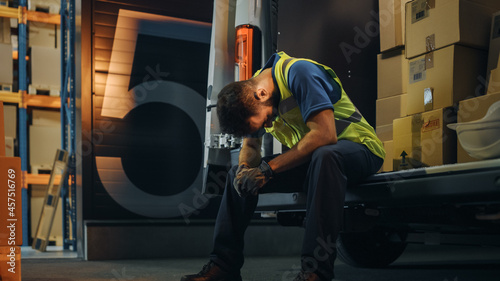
[244,51]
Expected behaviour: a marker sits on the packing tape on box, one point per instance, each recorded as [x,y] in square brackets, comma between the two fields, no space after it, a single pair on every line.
[429,60]
[430,43]
[428,99]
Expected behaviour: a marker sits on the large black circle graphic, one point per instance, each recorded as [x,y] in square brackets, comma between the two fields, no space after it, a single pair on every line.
[165,151]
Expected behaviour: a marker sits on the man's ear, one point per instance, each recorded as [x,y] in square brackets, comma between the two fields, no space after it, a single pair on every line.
[261,95]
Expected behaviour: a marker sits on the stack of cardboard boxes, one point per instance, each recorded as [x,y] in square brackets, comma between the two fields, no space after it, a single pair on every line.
[445,54]
[476,108]
[392,67]
[45,42]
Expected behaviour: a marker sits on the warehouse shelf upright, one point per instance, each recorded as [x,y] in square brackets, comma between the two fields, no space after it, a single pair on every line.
[66,103]
[68,120]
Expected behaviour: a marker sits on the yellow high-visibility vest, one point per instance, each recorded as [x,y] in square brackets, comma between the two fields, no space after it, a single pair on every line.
[289,127]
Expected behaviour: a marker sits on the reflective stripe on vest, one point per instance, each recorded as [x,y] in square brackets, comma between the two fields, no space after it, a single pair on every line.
[289,127]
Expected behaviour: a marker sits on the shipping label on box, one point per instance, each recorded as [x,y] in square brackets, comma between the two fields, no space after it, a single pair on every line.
[11,199]
[434,24]
[406,142]
[417,71]
[444,77]
[420,10]
[438,142]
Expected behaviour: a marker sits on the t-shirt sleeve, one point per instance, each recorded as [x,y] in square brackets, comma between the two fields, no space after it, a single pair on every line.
[313,88]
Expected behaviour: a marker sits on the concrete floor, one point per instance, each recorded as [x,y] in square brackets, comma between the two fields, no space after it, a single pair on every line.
[418,263]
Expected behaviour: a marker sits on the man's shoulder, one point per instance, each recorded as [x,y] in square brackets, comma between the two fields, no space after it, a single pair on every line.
[300,65]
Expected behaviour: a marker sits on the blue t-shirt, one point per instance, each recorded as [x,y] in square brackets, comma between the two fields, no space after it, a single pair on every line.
[312,87]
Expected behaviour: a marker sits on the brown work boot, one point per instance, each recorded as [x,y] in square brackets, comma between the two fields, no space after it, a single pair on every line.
[212,272]
[307,276]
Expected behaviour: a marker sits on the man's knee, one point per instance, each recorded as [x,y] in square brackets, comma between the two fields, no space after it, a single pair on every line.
[327,153]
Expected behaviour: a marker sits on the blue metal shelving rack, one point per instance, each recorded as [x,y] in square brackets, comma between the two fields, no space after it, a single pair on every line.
[68,120]
[23,115]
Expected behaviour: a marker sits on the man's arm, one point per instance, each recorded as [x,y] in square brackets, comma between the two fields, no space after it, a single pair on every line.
[322,132]
[250,152]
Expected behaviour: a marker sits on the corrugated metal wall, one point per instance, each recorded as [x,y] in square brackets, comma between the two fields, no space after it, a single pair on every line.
[146,145]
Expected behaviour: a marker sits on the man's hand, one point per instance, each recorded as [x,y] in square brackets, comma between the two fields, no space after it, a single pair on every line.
[248,180]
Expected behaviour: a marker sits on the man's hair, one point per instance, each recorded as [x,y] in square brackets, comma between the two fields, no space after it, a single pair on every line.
[235,105]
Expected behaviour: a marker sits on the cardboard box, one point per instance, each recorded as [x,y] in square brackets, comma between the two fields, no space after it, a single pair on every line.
[494,81]
[44,35]
[6,70]
[438,142]
[11,220]
[444,77]
[44,142]
[392,74]
[384,133]
[10,259]
[389,155]
[390,108]
[42,117]
[406,142]
[494,50]
[403,19]
[431,25]
[44,77]
[392,21]
[10,119]
[471,110]
[4,30]
[48,6]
